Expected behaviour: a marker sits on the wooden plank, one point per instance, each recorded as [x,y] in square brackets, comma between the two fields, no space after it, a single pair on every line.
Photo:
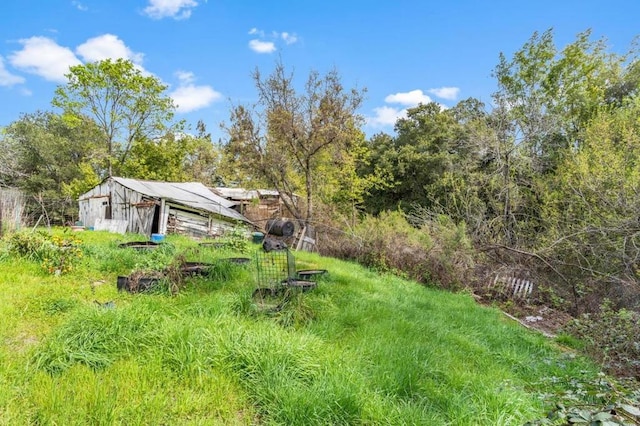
[300,237]
[514,287]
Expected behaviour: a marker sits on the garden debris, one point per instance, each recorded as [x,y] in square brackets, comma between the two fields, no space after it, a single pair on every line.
[512,287]
[106,305]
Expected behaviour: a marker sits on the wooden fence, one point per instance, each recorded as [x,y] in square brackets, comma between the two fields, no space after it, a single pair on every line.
[12,209]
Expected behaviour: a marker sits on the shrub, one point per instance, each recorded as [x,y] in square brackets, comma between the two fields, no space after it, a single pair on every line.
[235,239]
[611,337]
[434,250]
[29,245]
[451,257]
[57,254]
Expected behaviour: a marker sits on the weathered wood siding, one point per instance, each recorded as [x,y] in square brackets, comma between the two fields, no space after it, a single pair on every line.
[140,211]
[93,204]
[182,220]
[260,210]
[12,207]
[126,204]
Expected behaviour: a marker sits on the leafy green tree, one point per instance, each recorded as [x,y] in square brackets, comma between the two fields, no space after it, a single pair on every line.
[158,159]
[50,157]
[287,139]
[175,157]
[429,161]
[591,208]
[203,162]
[551,94]
[124,103]
[344,186]
[382,161]
[569,120]
[416,158]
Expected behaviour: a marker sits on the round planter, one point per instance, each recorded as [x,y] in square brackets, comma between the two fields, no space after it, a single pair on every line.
[139,245]
[311,274]
[195,268]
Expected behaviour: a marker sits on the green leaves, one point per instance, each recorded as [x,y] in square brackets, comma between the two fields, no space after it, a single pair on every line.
[126,105]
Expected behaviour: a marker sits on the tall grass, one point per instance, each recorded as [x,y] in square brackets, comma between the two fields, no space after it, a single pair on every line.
[362,348]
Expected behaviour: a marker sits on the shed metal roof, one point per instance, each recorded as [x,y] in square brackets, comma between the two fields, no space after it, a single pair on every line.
[235,193]
[192,194]
[244,194]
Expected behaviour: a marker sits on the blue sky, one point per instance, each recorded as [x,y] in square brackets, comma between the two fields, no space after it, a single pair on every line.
[402,52]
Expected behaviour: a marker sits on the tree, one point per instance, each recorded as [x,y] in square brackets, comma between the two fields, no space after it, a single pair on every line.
[551,94]
[569,120]
[50,158]
[287,137]
[591,205]
[203,162]
[429,161]
[175,157]
[125,104]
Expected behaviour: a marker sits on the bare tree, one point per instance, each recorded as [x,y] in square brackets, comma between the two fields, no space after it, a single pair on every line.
[287,138]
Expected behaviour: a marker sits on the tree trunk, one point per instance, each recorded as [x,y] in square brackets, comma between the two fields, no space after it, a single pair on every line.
[1,227]
[308,181]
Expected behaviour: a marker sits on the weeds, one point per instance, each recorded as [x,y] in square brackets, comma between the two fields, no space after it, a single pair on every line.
[430,250]
[610,337]
[295,309]
[57,254]
[584,399]
[362,348]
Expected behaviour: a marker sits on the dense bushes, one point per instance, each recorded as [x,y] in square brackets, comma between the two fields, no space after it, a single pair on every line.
[57,254]
[433,250]
[611,337]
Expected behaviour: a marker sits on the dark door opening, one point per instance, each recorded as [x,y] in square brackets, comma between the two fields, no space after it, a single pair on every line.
[155,224]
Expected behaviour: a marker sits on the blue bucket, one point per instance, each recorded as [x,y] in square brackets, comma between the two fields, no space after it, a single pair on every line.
[157,238]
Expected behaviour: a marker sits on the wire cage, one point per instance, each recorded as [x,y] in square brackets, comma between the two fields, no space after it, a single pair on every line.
[275,268]
[277,277]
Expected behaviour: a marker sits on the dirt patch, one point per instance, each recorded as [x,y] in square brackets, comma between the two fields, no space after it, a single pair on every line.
[22,342]
[547,320]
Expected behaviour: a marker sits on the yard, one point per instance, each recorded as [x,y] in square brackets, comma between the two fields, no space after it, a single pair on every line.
[361,348]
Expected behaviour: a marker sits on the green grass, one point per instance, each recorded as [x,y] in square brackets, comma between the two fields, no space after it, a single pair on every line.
[360,349]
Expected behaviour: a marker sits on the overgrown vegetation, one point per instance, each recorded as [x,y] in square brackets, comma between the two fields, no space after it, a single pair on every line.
[363,347]
[611,337]
[57,254]
[433,250]
[543,185]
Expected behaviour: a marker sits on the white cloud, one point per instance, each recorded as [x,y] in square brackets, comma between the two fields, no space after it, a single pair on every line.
[107,46]
[189,97]
[289,38]
[410,99]
[260,46]
[185,77]
[176,9]
[266,42]
[44,57]
[449,93]
[79,6]
[386,116]
[6,78]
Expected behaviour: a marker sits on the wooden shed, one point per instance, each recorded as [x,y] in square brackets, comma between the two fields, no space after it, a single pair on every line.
[258,205]
[159,207]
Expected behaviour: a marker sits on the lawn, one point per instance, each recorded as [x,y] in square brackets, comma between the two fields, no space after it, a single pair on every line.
[361,348]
